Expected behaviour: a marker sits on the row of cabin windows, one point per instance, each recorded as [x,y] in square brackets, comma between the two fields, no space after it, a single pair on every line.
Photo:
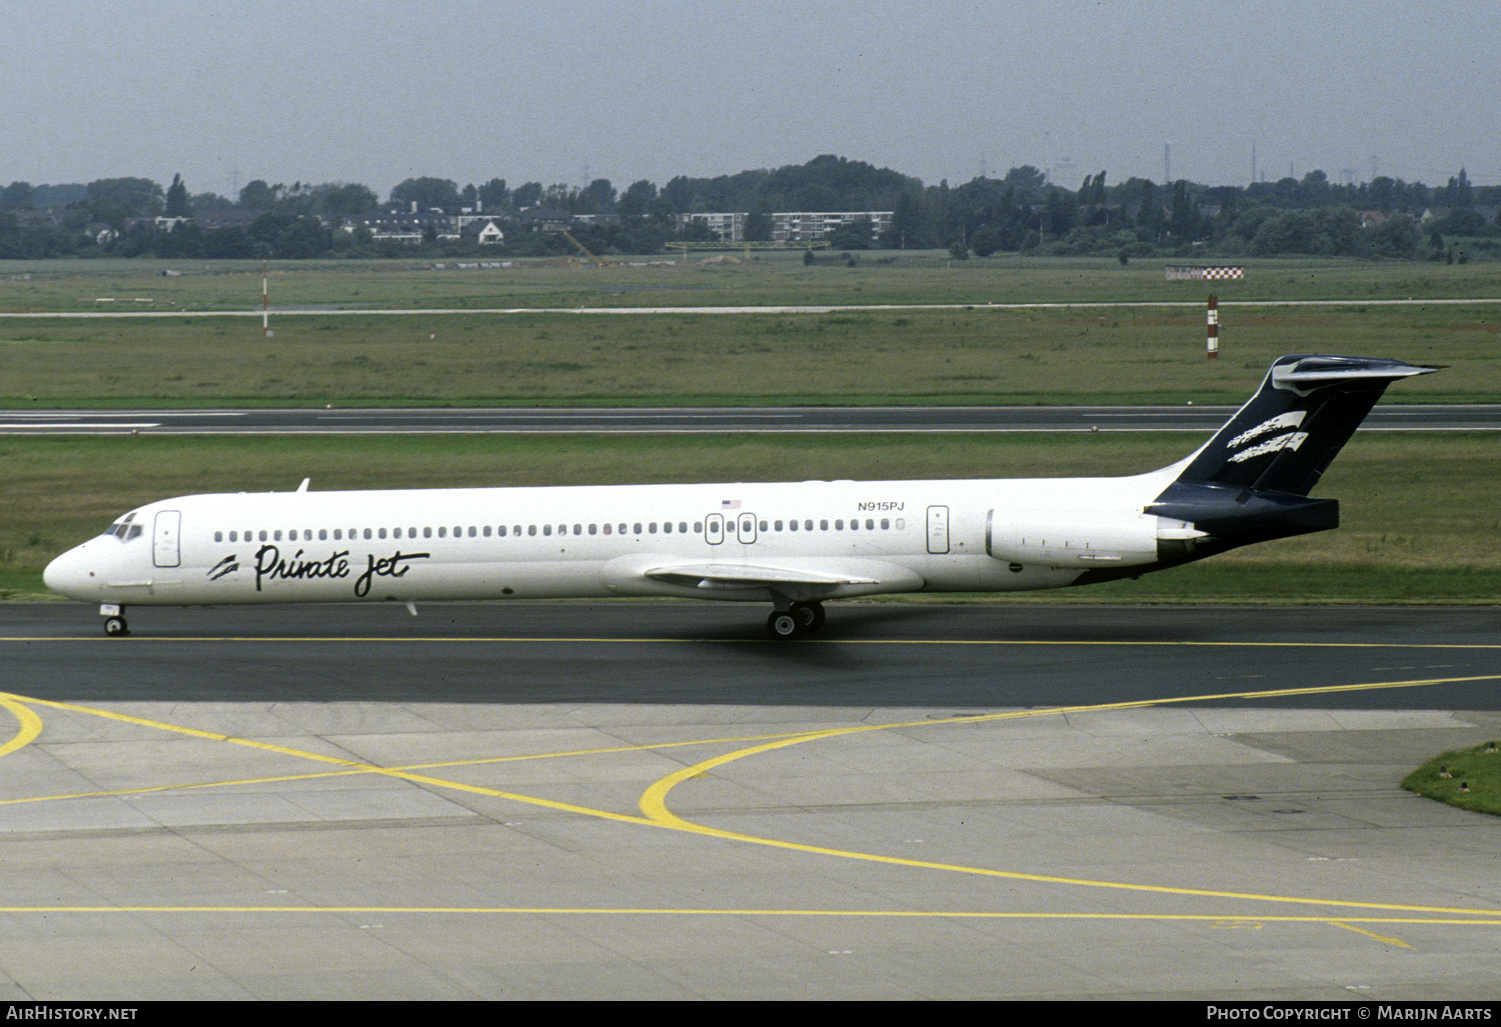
[530,530]
[823,525]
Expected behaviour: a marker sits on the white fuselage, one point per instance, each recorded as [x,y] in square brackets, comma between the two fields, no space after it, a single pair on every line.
[804,540]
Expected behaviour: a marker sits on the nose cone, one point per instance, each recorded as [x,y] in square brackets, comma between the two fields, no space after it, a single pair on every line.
[70,575]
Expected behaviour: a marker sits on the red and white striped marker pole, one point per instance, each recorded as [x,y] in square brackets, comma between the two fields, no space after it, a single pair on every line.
[1214,328]
[265,302]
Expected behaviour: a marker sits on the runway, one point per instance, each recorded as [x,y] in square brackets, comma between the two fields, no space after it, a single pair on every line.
[650,800]
[679,420]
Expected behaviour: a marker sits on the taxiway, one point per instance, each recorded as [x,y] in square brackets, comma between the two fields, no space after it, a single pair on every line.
[648,800]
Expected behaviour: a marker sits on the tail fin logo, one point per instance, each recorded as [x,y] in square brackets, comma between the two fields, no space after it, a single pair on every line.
[1291,419]
[1290,440]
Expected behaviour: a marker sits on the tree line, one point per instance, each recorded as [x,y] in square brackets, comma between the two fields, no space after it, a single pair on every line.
[1022,211]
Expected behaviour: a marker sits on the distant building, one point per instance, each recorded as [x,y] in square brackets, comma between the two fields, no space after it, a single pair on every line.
[407,226]
[543,219]
[216,220]
[728,227]
[789,226]
[389,227]
[1486,214]
[812,227]
[485,231]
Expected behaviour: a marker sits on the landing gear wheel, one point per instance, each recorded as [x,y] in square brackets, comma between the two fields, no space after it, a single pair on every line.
[785,624]
[810,613]
[116,626]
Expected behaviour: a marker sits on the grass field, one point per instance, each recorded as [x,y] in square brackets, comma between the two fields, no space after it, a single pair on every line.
[1469,778]
[766,278]
[971,355]
[1119,355]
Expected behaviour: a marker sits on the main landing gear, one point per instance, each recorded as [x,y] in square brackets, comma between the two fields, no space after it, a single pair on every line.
[795,621]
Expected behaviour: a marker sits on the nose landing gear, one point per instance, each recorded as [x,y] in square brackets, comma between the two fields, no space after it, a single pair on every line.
[114,623]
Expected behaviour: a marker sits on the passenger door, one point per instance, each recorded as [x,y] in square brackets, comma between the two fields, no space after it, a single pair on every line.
[165,541]
[938,529]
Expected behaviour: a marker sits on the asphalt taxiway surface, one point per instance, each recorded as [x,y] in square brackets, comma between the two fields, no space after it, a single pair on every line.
[618,800]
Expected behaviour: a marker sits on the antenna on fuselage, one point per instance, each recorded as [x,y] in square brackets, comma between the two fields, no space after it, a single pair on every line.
[304,485]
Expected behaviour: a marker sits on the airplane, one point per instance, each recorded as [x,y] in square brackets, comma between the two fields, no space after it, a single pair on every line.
[793,544]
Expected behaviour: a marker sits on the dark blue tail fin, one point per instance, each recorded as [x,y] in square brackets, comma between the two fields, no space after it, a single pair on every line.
[1251,481]
[1288,433]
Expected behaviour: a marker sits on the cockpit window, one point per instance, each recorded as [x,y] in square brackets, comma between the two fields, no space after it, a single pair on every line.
[123,529]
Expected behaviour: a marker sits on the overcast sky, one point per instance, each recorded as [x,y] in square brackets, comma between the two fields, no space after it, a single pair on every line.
[375,91]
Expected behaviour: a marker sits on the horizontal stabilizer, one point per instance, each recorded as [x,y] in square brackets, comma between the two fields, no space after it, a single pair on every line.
[1315,371]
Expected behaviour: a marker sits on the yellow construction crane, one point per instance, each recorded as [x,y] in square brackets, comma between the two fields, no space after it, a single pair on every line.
[585,250]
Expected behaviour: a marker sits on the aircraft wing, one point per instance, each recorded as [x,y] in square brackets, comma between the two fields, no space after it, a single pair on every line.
[803,579]
[744,575]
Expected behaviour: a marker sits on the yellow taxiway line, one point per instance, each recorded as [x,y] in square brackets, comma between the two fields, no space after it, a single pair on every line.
[654,812]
